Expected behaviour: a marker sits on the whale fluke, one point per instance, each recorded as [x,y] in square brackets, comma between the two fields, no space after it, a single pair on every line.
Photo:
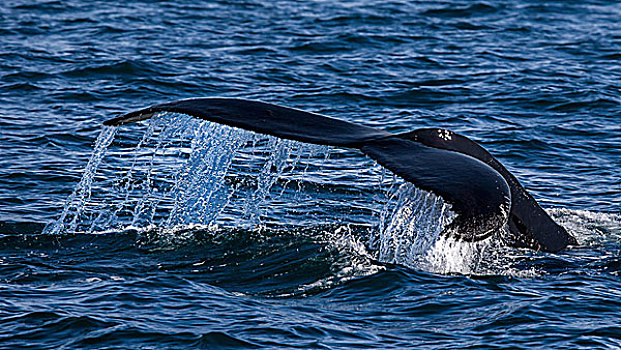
[483,194]
[529,225]
[264,118]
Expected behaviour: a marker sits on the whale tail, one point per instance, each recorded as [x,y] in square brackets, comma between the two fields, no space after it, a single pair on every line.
[483,194]
[529,225]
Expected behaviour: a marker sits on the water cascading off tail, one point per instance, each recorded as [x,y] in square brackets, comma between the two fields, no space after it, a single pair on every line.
[186,172]
[182,172]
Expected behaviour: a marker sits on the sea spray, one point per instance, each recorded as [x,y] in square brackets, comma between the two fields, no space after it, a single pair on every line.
[198,189]
[68,219]
[412,223]
[410,234]
[182,172]
[277,154]
[589,228]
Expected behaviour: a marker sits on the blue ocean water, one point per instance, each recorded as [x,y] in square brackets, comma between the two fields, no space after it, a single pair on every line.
[179,234]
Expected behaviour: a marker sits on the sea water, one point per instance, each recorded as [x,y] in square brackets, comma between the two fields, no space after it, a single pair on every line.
[176,233]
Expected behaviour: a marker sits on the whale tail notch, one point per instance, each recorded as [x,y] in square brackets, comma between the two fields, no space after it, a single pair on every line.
[483,194]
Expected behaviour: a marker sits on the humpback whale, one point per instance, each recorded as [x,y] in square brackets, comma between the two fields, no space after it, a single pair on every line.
[481,191]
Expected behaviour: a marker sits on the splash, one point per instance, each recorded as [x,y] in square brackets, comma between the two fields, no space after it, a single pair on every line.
[410,234]
[413,226]
[75,204]
[589,228]
[182,174]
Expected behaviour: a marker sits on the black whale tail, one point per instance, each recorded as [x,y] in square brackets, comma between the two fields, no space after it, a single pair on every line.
[483,194]
[529,225]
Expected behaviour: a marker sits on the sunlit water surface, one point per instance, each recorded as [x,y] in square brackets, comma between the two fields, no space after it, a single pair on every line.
[176,233]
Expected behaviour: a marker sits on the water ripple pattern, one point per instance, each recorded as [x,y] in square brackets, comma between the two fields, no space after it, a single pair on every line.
[145,237]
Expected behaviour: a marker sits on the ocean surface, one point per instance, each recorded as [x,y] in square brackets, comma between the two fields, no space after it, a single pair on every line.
[174,233]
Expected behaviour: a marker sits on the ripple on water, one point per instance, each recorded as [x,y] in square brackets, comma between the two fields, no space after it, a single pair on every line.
[301,262]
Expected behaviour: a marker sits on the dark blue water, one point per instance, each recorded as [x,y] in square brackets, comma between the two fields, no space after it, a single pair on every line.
[300,246]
